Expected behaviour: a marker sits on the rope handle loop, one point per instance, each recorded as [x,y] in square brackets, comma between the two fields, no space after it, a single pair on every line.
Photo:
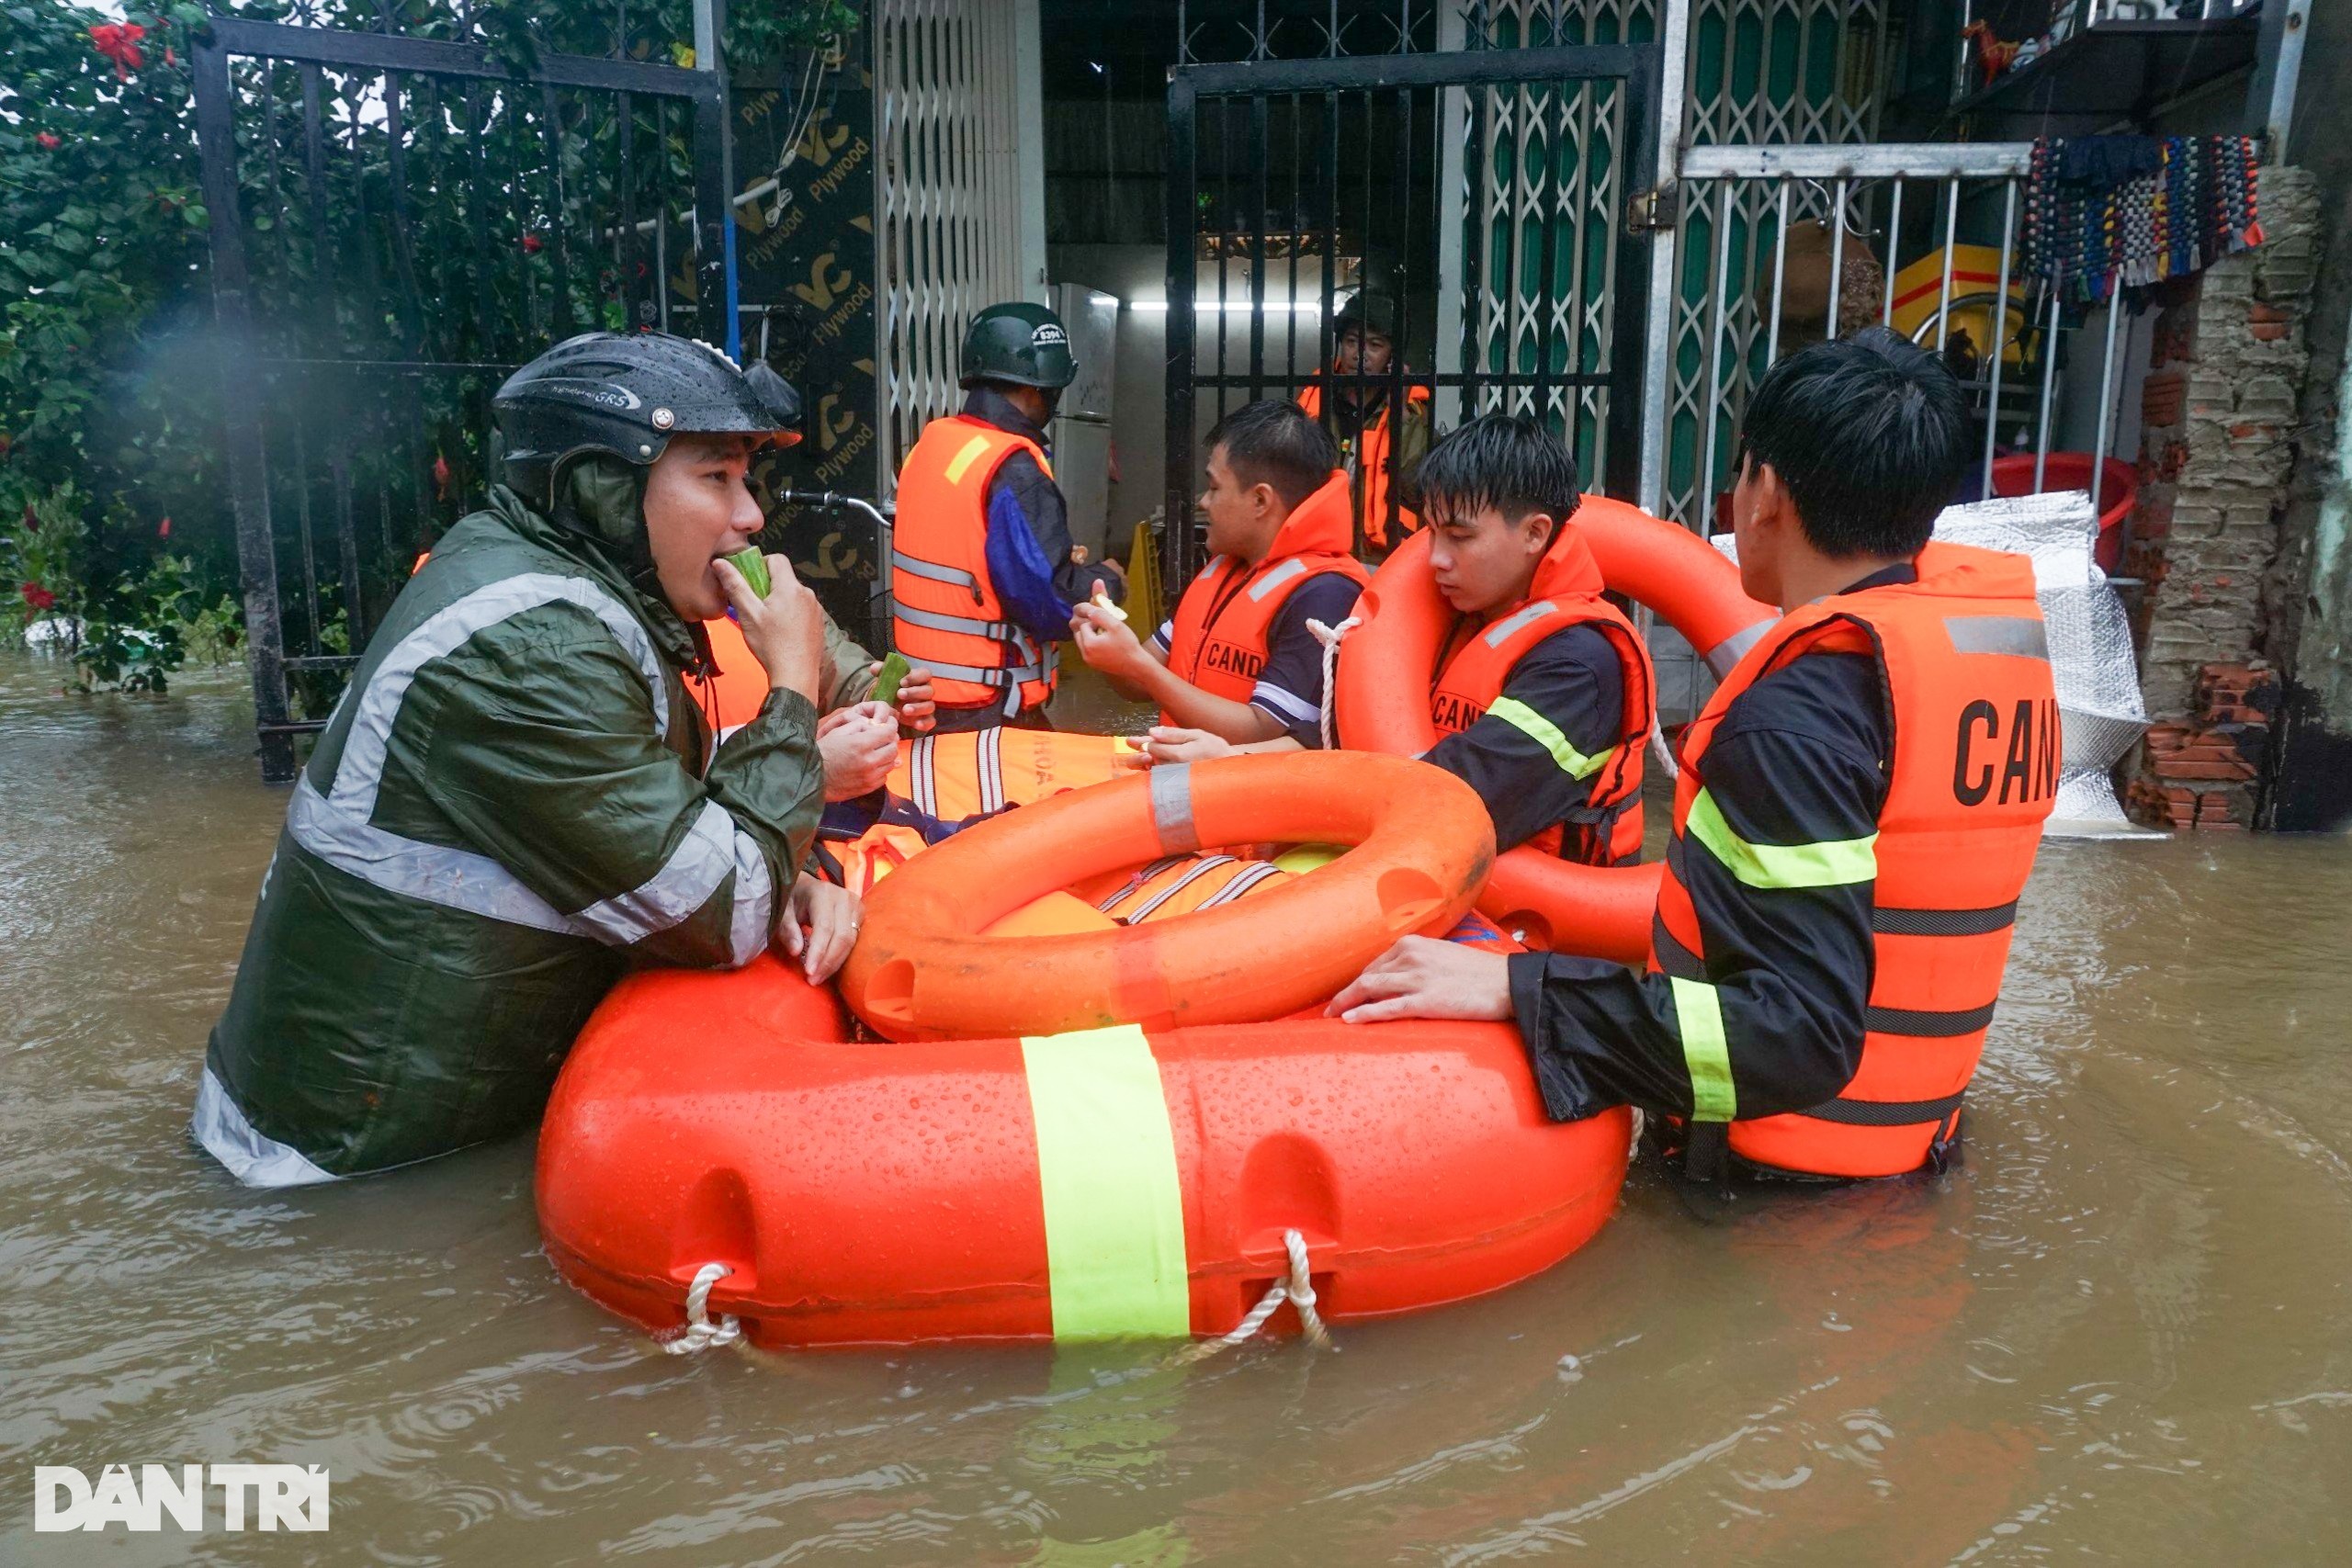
[1298,1289]
[1330,638]
[701,1334]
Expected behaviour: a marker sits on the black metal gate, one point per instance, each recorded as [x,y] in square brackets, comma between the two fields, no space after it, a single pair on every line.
[1487,192]
[396,222]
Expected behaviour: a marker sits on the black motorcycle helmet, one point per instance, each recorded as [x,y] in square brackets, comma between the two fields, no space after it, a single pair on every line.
[624,395]
[1370,309]
[1023,343]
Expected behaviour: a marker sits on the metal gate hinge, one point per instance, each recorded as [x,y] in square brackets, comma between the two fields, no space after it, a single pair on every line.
[1654,210]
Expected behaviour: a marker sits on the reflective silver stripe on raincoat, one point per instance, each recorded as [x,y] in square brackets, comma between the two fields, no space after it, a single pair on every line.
[334,827]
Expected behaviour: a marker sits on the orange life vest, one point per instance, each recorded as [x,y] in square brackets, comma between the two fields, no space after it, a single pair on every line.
[1565,591]
[1976,770]
[1366,456]
[1221,624]
[946,613]
[978,773]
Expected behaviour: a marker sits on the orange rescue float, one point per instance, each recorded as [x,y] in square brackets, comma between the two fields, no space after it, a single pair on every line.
[1381,700]
[1111,1184]
[924,969]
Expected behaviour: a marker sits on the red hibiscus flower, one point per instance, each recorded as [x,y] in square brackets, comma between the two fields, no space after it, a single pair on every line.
[164,529]
[440,477]
[48,141]
[532,244]
[119,41]
[37,597]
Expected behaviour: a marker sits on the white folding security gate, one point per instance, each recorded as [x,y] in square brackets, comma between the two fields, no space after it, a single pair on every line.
[959,202]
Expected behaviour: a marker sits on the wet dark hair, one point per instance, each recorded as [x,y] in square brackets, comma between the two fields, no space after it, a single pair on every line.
[1505,461]
[1272,443]
[1869,432]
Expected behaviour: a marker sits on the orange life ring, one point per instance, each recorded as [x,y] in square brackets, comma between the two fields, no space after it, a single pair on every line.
[1111,1184]
[922,969]
[1381,699]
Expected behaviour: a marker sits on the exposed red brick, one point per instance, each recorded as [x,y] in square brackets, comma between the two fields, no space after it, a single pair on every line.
[2268,332]
[2162,397]
[2170,770]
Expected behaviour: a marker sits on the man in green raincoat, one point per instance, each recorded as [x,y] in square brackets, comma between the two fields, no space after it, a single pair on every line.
[516,799]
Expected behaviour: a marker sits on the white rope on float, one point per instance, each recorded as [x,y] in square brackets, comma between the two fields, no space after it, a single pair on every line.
[1644,619]
[1298,1289]
[1664,753]
[1330,637]
[701,1333]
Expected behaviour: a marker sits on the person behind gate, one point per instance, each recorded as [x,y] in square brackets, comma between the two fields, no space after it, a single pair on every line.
[983,576]
[1381,447]
[517,799]
[1857,812]
[1237,664]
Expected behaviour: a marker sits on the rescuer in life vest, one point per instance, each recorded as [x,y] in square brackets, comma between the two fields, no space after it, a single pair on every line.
[984,575]
[1235,665]
[1857,812]
[1380,449]
[516,799]
[1543,698]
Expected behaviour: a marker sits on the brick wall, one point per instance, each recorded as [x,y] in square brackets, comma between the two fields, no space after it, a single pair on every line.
[2218,441]
[2197,771]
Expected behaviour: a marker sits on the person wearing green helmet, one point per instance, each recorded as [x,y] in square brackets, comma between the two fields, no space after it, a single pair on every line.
[984,577]
[1380,447]
[517,799]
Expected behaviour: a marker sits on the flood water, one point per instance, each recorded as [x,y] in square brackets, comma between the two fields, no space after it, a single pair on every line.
[2122,1330]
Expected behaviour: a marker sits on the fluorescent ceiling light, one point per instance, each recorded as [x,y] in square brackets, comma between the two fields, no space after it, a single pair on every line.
[1233,307]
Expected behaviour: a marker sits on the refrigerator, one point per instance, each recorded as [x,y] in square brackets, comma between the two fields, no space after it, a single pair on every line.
[1082,428]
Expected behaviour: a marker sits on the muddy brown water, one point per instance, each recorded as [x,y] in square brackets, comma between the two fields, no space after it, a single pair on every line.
[2121,1331]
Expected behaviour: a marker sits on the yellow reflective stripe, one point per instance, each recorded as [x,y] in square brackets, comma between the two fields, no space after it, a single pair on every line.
[1546,734]
[1106,1169]
[1699,1015]
[973,451]
[1830,864]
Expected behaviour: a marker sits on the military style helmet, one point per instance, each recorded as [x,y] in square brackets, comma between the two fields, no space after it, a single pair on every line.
[624,395]
[1369,308]
[1020,343]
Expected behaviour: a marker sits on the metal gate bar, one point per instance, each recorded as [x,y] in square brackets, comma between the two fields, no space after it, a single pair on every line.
[1542,76]
[346,359]
[1965,193]
[1827,183]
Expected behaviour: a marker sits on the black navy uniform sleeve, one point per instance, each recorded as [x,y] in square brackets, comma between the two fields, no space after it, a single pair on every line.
[1291,685]
[1800,759]
[1568,688]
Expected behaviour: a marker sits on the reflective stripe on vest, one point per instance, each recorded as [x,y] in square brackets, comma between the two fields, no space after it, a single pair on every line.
[948,617]
[1106,1171]
[1470,679]
[1179,884]
[1974,773]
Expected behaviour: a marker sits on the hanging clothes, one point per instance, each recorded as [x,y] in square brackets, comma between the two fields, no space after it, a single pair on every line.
[2109,211]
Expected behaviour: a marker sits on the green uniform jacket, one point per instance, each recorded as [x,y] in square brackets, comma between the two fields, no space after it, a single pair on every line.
[507,809]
